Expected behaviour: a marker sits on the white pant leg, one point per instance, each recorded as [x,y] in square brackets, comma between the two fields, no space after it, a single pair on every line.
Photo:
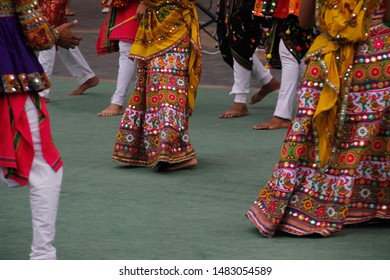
[241,86]
[125,73]
[8,182]
[47,59]
[259,72]
[291,74]
[76,64]
[45,186]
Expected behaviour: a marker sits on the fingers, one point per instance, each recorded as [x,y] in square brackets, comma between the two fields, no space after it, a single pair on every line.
[73,42]
[71,24]
[76,39]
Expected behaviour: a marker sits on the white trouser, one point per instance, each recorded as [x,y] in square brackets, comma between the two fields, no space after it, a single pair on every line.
[73,60]
[242,78]
[45,186]
[125,73]
[292,72]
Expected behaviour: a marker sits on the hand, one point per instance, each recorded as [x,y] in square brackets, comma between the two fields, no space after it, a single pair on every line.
[140,10]
[67,38]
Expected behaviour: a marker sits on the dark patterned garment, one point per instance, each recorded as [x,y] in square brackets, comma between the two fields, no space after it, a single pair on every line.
[296,39]
[239,32]
[285,26]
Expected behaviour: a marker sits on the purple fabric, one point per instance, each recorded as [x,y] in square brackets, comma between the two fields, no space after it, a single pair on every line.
[15,56]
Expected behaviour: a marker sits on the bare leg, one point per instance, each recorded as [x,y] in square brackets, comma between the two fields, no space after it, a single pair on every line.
[111,110]
[240,91]
[274,123]
[237,110]
[94,81]
[68,10]
[273,85]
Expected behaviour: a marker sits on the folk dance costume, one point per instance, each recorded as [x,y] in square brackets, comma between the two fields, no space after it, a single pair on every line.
[239,34]
[120,39]
[74,61]
[28,155]
[154,126]
[286,45]
[334,164]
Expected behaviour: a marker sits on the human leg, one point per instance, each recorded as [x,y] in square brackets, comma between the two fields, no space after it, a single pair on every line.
[68,10]
[263,75]
[45,186]
[8,182]
[129,146]
[240,90]
[291,74]
[47,59]
[125,73]
[76,64]
[154,127]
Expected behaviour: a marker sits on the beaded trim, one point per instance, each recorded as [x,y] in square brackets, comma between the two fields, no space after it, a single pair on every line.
[346,80]
[6,9]
[23,82]
[341,115]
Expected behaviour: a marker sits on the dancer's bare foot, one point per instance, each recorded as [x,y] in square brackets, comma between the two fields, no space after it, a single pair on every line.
[237,110]
[111,110]
[94,81]
[274,123]
[181,165]
[273,85]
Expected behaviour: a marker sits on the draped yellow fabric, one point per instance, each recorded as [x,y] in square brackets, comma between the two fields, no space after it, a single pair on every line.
[162,27]
[343,24]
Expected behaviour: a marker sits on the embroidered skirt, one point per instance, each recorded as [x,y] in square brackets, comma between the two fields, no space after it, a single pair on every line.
[154,126]
[356,188]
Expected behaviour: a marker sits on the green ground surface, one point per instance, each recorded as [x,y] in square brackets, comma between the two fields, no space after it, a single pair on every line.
[110,211]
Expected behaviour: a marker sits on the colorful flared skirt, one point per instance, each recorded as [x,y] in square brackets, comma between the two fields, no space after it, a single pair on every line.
[301,200]
[154,126]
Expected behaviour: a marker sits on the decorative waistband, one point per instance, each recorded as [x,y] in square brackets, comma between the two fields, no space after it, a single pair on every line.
[6,9]
[5,14]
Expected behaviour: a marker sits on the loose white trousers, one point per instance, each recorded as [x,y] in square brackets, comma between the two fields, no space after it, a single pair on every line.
[44,192]
[292,72]
[242,78]
[73,60]
[125,73]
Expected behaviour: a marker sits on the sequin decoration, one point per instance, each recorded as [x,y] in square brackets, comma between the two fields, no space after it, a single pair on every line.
[154,127]
[355,187]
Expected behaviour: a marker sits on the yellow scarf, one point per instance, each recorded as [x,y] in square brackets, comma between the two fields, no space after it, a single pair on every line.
[343,24]
[163,25]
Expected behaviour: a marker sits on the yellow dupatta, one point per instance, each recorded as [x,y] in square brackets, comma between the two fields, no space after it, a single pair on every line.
[342,23]
[162,27]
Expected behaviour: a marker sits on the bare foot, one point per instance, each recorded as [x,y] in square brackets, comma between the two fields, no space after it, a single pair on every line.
[94,81]
[111,110]
[181,165]
[69,12]
[273,85]
[274,123]
[237,110]
[46,99]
